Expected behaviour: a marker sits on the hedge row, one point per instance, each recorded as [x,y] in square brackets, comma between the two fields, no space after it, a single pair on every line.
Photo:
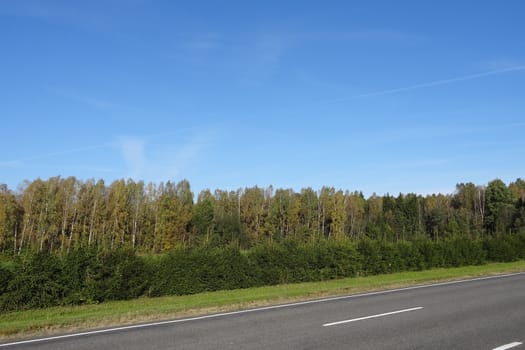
[88,276]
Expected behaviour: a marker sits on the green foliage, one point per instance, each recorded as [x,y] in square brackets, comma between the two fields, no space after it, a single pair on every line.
[202,219]
[505,248]
[34,283]
[386,257]
[337,259]
[89,275]
[291,261]
[462,251]
[371,257]
[499,206]
[61,215]
[116,275]
[195,270]
[73,277]
[431,253]
[411,256]
[5,277]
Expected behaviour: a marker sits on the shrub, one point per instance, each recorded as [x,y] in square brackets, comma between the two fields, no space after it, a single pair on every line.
[116,275]
[35,283]
[505,247]
[37,280]
[75,266]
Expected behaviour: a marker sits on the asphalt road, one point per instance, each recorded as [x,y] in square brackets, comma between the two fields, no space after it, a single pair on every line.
[476,314]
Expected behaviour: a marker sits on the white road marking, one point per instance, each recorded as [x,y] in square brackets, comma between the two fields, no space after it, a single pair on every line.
[373,316]
[508,346]
[145,325]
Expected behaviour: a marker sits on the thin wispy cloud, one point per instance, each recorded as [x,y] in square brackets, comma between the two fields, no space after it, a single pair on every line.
[269,49]
[174,159]
[164,156]
[205,42]
[250,59]
[154,157]
[370,35]
[260,58]
[132,151]
[75,16]
[11,164]
[85,99]
[43,156]
[432,131]
[499,63]
[377,93]
[435,83]
[129,146]
[28,9]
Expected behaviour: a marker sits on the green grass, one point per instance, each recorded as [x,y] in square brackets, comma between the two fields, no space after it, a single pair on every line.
[61,319]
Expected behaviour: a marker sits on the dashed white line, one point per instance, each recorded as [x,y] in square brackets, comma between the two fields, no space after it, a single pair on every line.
[373,316]
[508,346]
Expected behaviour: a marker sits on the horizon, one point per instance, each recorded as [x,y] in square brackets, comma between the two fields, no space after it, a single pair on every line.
[20,188]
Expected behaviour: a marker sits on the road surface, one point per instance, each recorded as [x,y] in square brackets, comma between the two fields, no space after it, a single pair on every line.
[486,313]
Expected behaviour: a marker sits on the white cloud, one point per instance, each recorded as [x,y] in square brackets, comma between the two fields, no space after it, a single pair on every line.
[132,150]
[163,157]
[174,160]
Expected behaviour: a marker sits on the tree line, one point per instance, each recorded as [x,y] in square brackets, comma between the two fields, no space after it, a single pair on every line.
[59,215]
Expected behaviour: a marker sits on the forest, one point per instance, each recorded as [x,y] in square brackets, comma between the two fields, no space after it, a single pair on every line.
[68,241]
[60,214]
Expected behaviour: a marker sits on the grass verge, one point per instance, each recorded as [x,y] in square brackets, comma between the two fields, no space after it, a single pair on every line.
[22,324]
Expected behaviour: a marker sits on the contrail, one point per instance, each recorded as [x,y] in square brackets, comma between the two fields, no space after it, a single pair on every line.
[320,103]
[433,83]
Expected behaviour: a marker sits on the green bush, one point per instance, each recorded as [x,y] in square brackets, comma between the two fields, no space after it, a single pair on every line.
[35,283]
[190,271]
[432,253]
[86,275]
[411,256]
[337,260]
[268,265]
[116,275]
[372,262]
[463,251]
[75,266]
[5,276]
[504,248]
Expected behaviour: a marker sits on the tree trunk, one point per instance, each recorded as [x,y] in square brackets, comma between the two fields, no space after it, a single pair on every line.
[72,230]
[64,224]
[16,234]
[92,223]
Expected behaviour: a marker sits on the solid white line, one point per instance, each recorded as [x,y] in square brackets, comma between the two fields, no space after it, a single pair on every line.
[144,325]
[508,346]
[372,316]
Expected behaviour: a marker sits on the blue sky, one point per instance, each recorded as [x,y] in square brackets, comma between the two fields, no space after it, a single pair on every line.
[377,96]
